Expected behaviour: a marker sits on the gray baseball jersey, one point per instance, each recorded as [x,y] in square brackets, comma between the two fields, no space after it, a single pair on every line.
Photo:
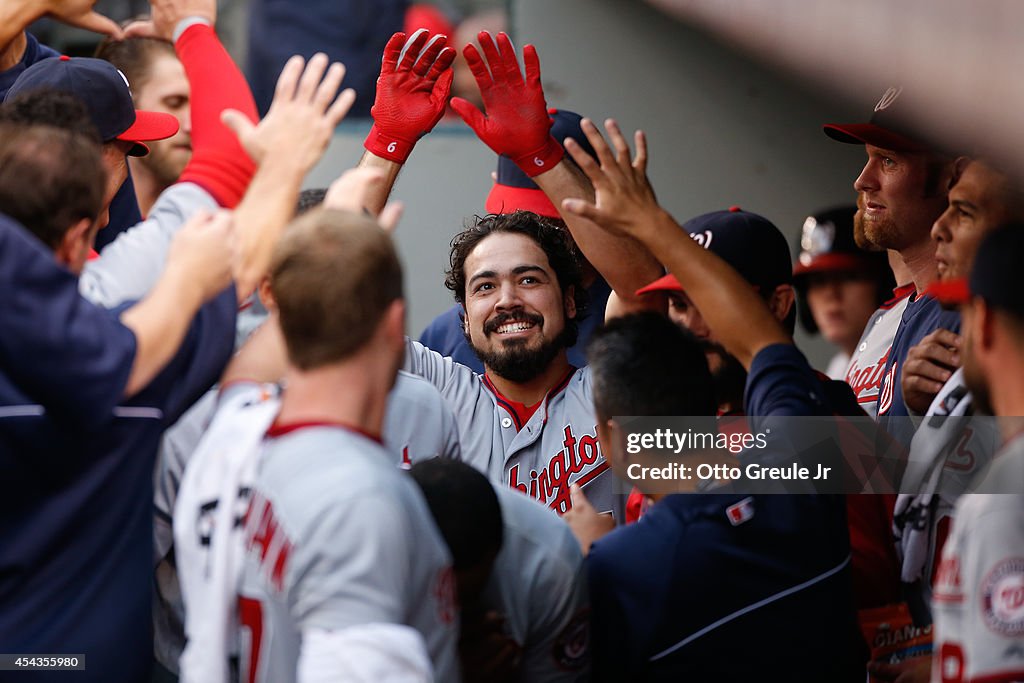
[540,454]
[947,453]
[337,537]
[418,425]
[539,585]
[131,264]
[867,363]
[978,599]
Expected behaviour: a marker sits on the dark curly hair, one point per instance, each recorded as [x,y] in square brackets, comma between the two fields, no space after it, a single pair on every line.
[550,235]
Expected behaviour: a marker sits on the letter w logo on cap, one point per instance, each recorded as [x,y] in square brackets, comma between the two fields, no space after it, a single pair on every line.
[888,98]
[703,238]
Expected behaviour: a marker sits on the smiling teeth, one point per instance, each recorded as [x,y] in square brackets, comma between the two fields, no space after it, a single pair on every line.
[514,327]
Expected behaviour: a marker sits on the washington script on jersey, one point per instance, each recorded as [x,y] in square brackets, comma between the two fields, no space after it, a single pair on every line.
[553,479]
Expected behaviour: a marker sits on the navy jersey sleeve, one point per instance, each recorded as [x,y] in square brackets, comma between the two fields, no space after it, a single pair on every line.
[782,383]
[68,354]
[34,52]
[199,361]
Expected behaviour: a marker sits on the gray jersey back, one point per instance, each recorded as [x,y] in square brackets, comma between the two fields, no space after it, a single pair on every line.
[557,446]
[337,537]
[867,363]
[539,585]
[418,425]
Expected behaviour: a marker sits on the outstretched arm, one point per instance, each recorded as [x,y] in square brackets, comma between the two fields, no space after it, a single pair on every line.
[625,205]
[517,124]
[286,144]
[412,92]
[198,268]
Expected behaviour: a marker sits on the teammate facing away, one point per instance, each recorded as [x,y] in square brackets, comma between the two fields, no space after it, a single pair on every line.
[344,569]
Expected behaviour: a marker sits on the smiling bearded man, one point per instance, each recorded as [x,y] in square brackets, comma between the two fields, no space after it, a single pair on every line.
[528,421]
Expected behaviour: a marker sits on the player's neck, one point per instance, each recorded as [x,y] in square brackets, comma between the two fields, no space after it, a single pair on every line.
[919,259]
[147,189]
[1007,398]
[533,391]
[345,393]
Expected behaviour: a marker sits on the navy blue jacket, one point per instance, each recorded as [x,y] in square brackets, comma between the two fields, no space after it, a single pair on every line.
[76,495]
[731,587]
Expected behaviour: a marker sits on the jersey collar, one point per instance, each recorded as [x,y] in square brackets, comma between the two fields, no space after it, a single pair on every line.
[279,429]
[521,413]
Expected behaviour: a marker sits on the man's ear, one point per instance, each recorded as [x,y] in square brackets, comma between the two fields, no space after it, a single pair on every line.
[75,245]
[266,295]
[959,164]
[569,301]
[612,440]
[782,301]
[984,320]
[394,321]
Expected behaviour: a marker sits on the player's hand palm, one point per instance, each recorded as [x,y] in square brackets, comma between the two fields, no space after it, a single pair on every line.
[165,15]
[624,199]
[516,122]
[412,90]
[302,115]
[80,13]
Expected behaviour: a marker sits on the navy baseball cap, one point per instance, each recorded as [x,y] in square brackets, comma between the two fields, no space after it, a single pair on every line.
[994,276]
[746,241]
[887,127]
[515,191]
[107,97]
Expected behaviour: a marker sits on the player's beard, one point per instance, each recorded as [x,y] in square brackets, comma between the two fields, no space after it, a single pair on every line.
[165,166]
[874,235]
[728,375]
[514,360]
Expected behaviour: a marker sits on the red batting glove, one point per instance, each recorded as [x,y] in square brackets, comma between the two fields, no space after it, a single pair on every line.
[516,123]
[411,93]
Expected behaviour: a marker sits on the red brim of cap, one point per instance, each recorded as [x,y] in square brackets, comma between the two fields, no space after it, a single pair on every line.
[870,134]
[507,199]
[149,125]
[950,292]
[833,263]
[669,283]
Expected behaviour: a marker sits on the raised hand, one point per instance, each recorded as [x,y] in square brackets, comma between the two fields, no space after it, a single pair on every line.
[412,91]
[353,191]
[302,115]
[165,15]
[516,122]
[624,200]
[80,13]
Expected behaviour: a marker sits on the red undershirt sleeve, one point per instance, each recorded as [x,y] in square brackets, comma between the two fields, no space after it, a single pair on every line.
[219,164]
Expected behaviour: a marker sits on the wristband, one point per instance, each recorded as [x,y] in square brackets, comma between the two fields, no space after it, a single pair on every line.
[541,160]
[186,24]
[387,146]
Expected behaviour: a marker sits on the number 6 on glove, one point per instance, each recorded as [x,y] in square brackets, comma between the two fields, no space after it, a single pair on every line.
[516,122]
[413,87]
